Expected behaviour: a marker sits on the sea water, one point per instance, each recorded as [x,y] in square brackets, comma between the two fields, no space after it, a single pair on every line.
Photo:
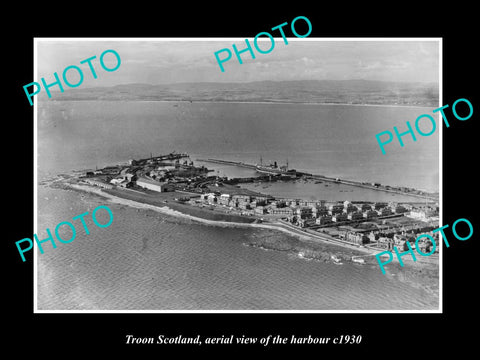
[332,140]
[150,261]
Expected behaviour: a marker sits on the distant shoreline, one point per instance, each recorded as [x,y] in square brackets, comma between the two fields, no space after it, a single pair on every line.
[249,102]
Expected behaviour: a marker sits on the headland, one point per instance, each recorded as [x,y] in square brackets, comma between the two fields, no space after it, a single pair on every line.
[172,184]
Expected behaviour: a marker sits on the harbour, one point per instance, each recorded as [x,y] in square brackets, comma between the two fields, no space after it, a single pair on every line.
[296,174]
[140,262]
[366,226]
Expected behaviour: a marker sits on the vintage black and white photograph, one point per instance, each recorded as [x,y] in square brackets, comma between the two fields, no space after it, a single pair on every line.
[214,179]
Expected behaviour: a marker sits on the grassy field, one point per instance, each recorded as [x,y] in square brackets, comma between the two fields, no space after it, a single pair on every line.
[234,190]
[167,199]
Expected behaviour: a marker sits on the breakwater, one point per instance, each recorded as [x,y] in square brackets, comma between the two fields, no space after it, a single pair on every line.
[226,162]
[372,186]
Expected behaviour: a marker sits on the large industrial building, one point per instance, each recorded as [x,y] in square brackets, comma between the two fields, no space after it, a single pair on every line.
[154,185]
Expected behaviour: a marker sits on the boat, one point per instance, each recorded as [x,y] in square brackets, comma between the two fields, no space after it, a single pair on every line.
[274,169]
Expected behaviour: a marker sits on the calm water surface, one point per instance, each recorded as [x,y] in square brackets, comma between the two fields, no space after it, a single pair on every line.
[147,260]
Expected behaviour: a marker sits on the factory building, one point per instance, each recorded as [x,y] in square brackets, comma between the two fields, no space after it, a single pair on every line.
[154,185]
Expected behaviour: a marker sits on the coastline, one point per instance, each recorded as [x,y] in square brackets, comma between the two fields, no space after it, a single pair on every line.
[168,211]
[303,236]
[253,102]
[419,274]
[296,247]
[172,212]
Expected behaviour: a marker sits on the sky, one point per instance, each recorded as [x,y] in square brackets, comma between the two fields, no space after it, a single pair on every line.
[164,61]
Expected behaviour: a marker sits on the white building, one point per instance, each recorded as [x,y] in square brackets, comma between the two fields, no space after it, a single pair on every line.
[154,185]
[417,214]
[224,199]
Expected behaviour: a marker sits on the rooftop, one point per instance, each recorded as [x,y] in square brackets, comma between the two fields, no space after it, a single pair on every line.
[149,181]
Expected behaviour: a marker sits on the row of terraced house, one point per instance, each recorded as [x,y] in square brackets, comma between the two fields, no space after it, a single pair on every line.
[324,214]
[304,213]
[387,239]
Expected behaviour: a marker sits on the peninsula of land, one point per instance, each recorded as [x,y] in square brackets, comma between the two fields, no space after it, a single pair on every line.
[172,184]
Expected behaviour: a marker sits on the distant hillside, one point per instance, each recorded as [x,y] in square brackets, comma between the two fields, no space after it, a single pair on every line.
[302,91]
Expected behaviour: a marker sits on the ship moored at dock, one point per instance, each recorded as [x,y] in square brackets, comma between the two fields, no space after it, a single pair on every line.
[275,169]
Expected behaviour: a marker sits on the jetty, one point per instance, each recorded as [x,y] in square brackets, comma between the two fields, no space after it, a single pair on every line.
[371,186]
[226,162]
